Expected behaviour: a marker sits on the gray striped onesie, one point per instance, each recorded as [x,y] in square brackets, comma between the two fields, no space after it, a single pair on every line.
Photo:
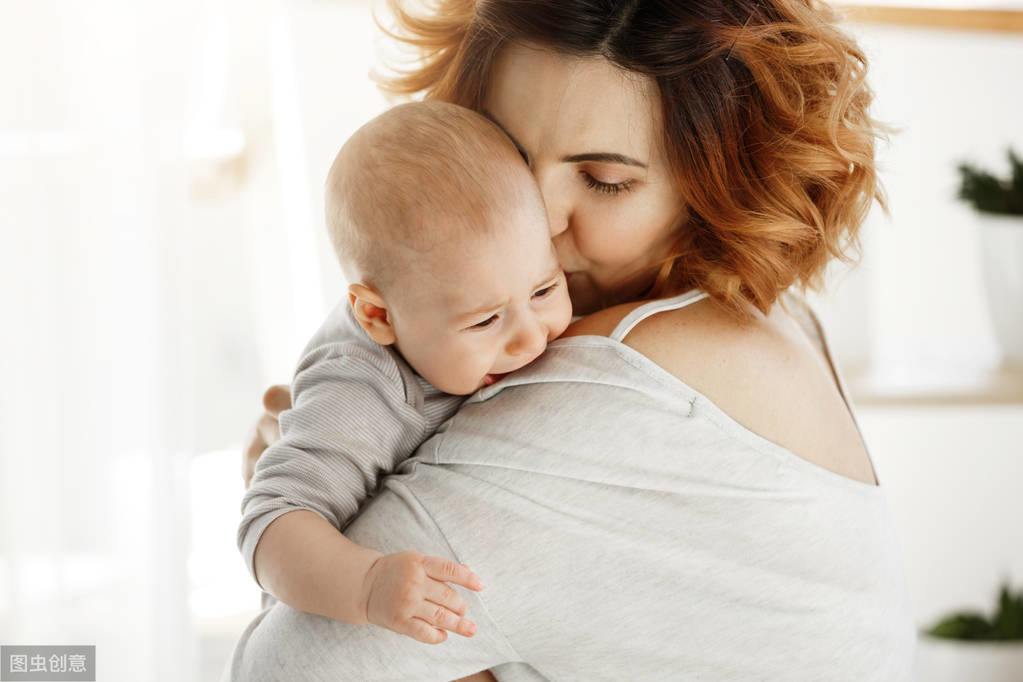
[359,411]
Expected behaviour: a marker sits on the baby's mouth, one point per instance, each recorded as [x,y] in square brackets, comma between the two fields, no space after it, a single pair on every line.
[493,378]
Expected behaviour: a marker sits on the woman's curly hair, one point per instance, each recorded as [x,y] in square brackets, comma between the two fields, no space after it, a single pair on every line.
[765,110]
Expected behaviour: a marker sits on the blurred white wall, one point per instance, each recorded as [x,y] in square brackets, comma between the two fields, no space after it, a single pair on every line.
[953,475]
[917,301]
[914,315]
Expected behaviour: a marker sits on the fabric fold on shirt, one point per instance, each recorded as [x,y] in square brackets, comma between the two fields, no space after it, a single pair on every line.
[616,515]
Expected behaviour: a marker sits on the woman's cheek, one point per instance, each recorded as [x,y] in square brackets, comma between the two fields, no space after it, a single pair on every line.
[603,233]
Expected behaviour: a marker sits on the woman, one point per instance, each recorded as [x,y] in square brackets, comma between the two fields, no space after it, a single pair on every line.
[677,488]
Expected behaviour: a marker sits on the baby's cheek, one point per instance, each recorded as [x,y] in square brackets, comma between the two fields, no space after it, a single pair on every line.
[566,311]
[468,370]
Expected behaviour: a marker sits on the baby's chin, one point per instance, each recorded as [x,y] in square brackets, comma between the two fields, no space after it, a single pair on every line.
[483,382]
[490,380]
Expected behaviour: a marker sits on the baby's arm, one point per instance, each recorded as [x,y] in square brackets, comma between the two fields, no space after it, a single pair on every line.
[349,426]
[308,564]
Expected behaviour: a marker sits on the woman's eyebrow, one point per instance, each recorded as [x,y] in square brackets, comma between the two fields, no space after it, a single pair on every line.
[600,157]
[603,157]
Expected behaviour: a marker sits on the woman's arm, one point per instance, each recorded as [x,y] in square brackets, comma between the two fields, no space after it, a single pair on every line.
[485,676]
[267,430]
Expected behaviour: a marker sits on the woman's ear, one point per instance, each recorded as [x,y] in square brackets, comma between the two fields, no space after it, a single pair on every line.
[370,310]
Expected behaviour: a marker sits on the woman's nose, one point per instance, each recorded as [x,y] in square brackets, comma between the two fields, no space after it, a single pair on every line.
[557,219]
[555,200]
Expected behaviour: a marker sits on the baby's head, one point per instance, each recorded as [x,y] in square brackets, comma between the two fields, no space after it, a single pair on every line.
[442,233]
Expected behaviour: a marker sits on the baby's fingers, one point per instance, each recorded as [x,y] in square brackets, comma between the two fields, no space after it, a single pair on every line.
[448,571]
[443,618]
[445,595]
[422,631]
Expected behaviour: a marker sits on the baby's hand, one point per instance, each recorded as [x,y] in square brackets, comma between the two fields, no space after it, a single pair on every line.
[407,592]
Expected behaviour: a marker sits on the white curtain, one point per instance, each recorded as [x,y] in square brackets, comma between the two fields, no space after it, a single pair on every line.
[92,468]
[162,262]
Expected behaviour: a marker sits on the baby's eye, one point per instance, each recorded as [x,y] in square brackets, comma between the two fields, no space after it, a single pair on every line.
[546,290]
[485,323]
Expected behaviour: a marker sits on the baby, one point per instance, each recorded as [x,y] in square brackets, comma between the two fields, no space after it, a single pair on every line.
[442,233]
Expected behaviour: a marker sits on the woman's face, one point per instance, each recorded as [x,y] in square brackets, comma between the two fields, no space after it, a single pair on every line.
[592,136]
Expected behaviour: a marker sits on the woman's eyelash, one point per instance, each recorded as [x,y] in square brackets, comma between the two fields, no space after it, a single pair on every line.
[606,187]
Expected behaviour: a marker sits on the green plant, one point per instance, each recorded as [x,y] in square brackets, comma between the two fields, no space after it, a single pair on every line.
[1007,623]
[990,194]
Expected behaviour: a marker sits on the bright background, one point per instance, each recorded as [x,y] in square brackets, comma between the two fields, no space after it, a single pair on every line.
[164,261]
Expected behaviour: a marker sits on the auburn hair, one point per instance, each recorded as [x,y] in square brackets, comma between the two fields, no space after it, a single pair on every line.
[764,108]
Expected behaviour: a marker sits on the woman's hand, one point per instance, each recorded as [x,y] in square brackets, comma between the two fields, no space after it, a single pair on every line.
[268,430]
[407,592]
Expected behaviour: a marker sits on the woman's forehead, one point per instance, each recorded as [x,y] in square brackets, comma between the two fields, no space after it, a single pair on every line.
[571,105]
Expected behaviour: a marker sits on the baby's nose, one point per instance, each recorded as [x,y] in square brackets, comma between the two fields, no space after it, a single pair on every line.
[530,340]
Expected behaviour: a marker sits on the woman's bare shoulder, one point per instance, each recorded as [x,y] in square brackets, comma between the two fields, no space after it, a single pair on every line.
[702,342]
[678,340]
[602,322]
[765,373]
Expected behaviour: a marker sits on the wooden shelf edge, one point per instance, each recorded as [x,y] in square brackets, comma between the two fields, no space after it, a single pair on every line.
[994,386]
[1001,20]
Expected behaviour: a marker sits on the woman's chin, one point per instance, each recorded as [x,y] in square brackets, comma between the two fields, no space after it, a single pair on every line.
[585,299]
[588,298]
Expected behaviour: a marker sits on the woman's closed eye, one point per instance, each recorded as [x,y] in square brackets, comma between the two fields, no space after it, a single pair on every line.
[606,187]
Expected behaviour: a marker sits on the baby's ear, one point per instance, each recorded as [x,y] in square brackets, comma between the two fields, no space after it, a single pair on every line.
[371,312]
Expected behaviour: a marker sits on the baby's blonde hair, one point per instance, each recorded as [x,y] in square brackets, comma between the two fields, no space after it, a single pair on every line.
[415,177]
